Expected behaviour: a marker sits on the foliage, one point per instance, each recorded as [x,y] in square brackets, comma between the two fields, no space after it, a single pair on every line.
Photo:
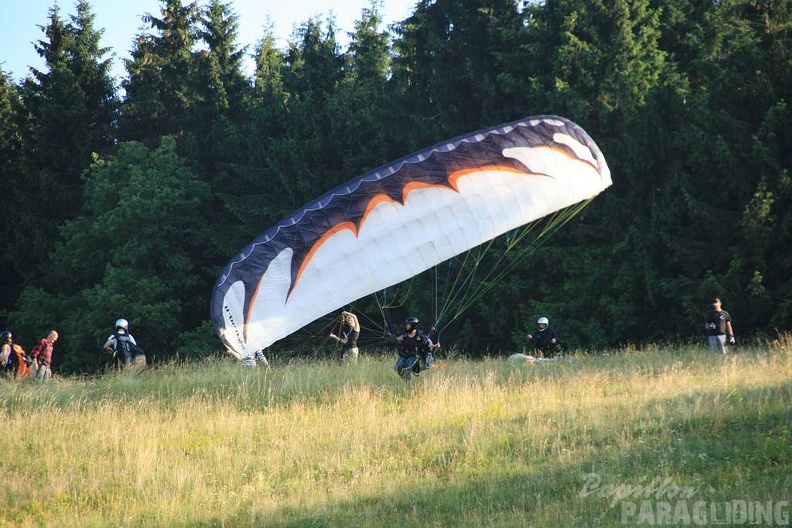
[133,253]
[10,160]
[688,100]
[160,89]
[66,116]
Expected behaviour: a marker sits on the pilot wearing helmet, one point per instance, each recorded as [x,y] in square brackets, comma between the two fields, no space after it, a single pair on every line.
[416,353]
[545,340]
[125,349]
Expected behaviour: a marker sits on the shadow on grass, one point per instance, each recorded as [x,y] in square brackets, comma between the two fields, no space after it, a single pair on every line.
[739,449]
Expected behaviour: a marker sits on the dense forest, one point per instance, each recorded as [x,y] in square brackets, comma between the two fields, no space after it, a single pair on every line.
[126,198]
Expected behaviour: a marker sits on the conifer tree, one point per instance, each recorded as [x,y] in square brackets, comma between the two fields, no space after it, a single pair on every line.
[362,114]
[304,158]
[10,170]
[69,112]
[160,89]
[215,135]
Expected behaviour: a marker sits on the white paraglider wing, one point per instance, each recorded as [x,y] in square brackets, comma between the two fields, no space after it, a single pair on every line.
[399,220]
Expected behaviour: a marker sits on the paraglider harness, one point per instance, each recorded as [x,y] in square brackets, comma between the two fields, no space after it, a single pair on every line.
[125,350]
[415,356]
[542,342]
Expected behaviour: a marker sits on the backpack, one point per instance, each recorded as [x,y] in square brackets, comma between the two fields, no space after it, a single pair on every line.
[126,349]
[22,360]
[17,361]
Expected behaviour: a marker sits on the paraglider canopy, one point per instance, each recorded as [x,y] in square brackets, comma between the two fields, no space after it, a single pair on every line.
[399,220]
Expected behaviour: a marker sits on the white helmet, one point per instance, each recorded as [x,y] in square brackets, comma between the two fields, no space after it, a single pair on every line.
[543,321]
[122,323]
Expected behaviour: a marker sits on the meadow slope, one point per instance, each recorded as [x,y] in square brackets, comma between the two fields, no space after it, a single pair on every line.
[470,443]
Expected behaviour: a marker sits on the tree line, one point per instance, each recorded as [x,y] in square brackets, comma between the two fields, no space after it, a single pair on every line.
[127,199]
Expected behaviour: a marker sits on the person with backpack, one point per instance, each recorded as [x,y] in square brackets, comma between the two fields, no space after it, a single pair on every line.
[14,362]
[42,356]
[125,349]
[416,353]
[545,341]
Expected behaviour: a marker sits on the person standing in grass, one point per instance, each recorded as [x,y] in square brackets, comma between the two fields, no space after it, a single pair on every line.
[125,349]
[258,358]
[6,349]
[13,360]
[719,327]
[42,356]
[350,331]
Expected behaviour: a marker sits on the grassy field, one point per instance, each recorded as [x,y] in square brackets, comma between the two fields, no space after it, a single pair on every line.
[599,441]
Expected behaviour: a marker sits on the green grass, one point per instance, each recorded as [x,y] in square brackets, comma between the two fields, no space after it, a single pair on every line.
[483,443]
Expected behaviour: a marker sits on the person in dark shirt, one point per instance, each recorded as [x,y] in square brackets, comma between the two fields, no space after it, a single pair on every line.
[719,328]
[350,331]
[545,341]
[417,350]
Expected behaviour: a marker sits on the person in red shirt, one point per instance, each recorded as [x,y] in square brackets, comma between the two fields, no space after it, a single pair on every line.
[42,356]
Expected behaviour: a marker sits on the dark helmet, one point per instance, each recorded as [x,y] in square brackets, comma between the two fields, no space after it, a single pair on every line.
[5,335]
[412,320]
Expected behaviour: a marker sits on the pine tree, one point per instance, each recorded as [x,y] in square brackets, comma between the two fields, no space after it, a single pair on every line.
[218,112]
[362,114]
[304,159]
[95,81]
[220,67]
[449,59]
[10,174]
[253,196]
[69,111]
[268,77]
[160,90]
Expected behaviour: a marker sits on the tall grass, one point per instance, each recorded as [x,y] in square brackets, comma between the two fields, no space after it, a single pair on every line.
[467,444]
